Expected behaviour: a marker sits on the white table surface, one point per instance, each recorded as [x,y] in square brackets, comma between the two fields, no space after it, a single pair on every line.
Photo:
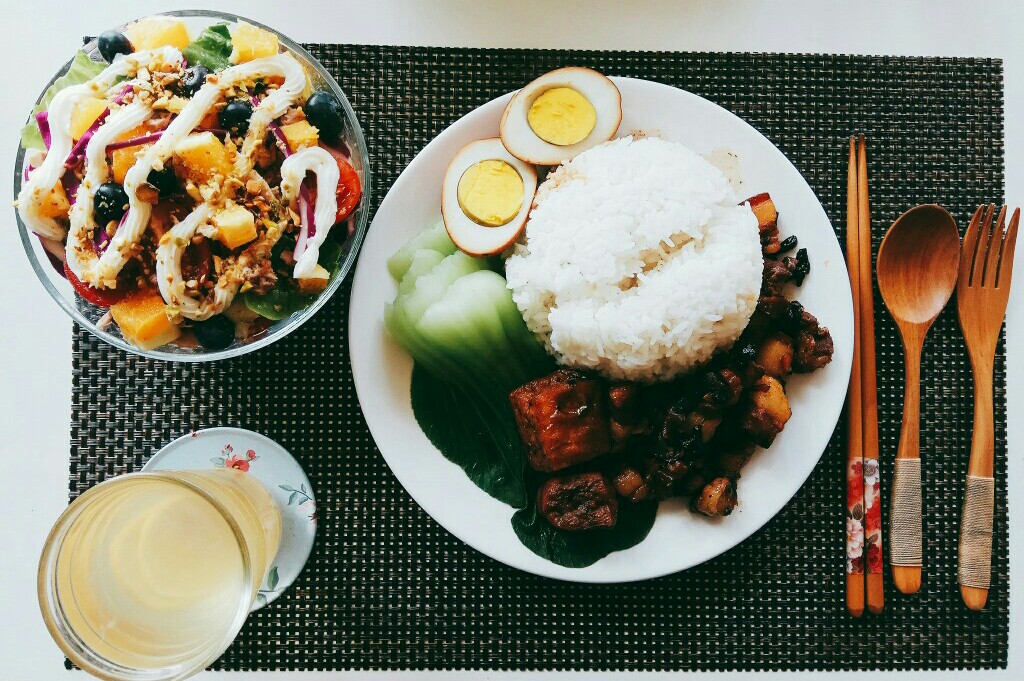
[35,341]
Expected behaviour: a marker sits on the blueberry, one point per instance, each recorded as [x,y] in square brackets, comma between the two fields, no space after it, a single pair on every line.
[235,116]
[323,111]
[109,203]
[112,43]
[216,333]
[165,181]
[193,79]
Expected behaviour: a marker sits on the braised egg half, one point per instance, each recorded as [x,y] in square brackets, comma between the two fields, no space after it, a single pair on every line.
[486,196]
[561,114]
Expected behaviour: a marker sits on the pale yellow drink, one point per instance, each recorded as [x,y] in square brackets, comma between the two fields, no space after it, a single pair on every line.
[157,571]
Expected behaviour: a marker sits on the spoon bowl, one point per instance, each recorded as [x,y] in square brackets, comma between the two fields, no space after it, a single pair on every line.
[918,264]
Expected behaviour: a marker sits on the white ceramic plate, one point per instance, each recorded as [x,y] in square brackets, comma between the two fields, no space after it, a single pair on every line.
[679,539]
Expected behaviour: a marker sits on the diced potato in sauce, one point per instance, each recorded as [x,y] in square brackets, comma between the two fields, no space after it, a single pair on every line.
[769,395]
[776,355]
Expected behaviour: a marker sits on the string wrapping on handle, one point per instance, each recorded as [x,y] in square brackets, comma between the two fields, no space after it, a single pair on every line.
[905,524]
[976,533]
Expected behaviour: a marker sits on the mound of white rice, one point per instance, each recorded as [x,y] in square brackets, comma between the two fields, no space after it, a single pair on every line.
[638,261]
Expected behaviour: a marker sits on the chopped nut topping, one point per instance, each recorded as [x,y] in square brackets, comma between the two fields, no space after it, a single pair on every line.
[147,193]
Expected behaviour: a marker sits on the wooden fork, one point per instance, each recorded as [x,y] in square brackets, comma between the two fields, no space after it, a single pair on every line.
[983,288]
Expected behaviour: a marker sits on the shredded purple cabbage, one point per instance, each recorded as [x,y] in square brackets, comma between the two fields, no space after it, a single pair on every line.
[71,184]
[135,141]
[119,98]
[281,140]
[43,121]
[215,131]
[153,137]
[308,228]
[77,154]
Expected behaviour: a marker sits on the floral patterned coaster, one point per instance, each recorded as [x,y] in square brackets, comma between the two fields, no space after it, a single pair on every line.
[280,473]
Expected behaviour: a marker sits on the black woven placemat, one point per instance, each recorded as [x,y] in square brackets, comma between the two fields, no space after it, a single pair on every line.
[387,588]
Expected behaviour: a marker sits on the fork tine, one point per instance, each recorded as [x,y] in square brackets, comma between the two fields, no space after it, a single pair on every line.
[981,248]
[1005,271]
[995,245]
[970,245]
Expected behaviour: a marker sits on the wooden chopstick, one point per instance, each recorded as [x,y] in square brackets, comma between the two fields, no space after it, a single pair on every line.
[869,394]
[855,581]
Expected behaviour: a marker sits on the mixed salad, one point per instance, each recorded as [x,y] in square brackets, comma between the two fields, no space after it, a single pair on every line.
[190,184]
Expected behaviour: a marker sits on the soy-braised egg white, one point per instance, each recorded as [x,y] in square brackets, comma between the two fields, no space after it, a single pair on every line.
[561,114]
[486,197]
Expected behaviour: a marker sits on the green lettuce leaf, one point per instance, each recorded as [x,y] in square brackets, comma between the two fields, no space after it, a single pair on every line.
[82,69]
[211,49]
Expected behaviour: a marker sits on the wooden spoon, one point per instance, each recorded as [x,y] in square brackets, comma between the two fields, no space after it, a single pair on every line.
[917,272]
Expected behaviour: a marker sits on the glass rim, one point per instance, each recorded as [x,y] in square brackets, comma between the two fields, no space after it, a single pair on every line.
[64,635]
[42,267]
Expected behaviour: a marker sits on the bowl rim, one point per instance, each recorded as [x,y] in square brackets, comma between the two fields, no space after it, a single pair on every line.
[287,325]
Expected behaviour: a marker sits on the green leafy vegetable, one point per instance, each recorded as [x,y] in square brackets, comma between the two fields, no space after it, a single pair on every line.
[279,302]
[487,447]
[82,69]
[211,49]
[330,252]
[453,423]
[283,300]
[580,549]
[457,319]
[434,238]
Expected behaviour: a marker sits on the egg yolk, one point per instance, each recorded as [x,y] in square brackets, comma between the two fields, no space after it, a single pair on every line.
[491,193]
[562,116]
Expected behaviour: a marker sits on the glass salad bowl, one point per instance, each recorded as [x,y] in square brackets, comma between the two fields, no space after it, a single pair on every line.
[96,319]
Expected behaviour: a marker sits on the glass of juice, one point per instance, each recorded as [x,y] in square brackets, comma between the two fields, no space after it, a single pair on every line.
[151,575]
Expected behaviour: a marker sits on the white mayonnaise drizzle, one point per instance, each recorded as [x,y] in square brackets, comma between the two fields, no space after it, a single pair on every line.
[273,105]
[81,255]
[101,270]
[104,271]
[168,270]
[43,179]
[171,279]
[294,168]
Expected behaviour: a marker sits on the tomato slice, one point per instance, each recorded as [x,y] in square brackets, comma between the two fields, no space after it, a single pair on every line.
[349,188]
[103,297]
